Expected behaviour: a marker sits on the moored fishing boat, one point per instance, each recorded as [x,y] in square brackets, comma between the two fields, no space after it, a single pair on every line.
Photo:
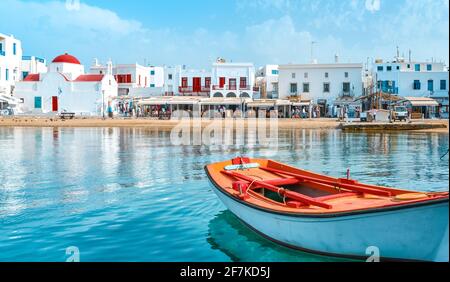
[333,216]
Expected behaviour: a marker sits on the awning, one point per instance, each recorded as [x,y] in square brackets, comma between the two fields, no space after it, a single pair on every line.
[222,101]
[421,101]
[153,102]
[169,101]
[261,104]
[283,103]
[301,104]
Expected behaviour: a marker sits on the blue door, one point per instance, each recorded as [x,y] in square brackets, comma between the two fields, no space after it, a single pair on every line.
[37,102]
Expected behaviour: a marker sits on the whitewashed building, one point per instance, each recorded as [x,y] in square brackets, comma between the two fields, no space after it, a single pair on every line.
[194,82]
[134,80]
[10,63]
[66,87]
[171,80]
[32,64]
[233,80]
[322,84]
[267,81]
[414,79]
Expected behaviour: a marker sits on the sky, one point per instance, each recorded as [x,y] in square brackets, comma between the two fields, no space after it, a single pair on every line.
[196,32]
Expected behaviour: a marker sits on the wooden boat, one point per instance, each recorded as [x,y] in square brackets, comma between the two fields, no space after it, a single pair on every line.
[333,216]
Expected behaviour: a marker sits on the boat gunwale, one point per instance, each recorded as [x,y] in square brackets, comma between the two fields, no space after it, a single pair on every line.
[329,214]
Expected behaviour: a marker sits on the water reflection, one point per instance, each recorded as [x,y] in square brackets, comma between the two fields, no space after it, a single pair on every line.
[241,244]
[87,179]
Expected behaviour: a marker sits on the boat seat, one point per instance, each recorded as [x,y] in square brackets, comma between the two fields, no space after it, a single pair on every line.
[282,181]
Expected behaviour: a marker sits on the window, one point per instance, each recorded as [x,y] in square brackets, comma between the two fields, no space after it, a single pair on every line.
[430,85]
[380,68]
[170,76]
[346,74]
[346,87]
[398,67]
[293,88]
[293,75]
[232,84]
[326,87]
[274,72]
[416,85]
[305,75]
[184,82]
[207,82]
[7,74]
[389,68]
[101,72]
[443,84]
[152,72]
[152,85]
[408,66]
[429,67]
[37,102]
[305,87]
[14,48]
[24,74]
[326,75]
[417,67]
[243,83]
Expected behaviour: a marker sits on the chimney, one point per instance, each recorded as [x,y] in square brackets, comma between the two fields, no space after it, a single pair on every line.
[336,58]
[109,67]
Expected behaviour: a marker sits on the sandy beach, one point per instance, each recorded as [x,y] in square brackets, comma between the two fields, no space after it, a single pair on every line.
[32,121]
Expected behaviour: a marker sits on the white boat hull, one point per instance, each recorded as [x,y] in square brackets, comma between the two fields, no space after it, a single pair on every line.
[413,233]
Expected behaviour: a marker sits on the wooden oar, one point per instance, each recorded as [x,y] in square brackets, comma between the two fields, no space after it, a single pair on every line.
[352,187]
[283,192]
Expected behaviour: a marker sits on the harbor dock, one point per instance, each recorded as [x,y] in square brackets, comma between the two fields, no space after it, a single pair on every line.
[396,126]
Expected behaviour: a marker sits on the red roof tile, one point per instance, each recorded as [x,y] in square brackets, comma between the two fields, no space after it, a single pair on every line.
[89,78]
[32,77]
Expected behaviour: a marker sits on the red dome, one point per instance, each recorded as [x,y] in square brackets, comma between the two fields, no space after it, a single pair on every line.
[66,58]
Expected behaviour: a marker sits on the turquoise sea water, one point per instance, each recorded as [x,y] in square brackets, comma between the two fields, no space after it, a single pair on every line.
[122,194]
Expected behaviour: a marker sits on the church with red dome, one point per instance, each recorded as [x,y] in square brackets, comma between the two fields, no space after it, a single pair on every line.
[65,87]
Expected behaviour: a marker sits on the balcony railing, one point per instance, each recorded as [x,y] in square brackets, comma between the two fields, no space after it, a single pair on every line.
[231,87]
[190,89]
[182,89]
[347,94]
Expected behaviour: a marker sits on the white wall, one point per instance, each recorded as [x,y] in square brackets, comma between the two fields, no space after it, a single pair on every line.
[316,79]
[32,65]
[267,78]
[71,71]
[404,78]
[236,71]
[172,79]
[9,62]
[156,77]
[79,97]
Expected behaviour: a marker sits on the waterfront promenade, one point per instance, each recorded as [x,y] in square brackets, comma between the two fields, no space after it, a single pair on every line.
[318,123]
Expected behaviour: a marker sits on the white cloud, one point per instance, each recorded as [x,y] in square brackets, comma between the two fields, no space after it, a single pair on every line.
[373,5]
[49,28]
[278,41]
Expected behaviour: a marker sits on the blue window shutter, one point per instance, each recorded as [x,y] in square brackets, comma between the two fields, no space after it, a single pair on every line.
[37,102]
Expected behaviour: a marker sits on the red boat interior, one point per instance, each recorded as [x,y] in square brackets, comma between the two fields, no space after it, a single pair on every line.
[280,187]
